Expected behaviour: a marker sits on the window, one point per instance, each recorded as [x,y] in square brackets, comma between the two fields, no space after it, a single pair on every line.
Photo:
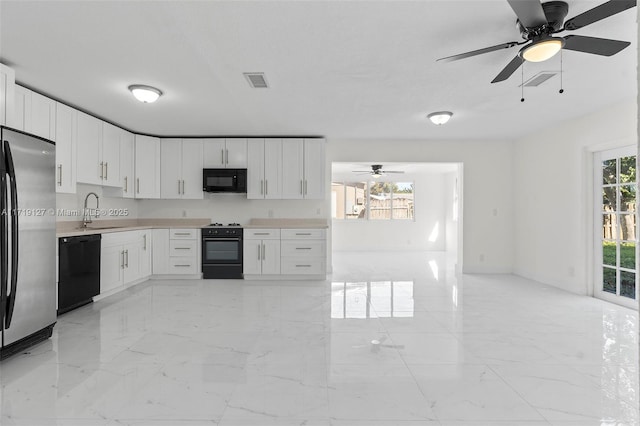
[373,200]
[616,254]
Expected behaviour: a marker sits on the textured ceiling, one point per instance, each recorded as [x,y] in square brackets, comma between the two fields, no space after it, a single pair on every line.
[338,69]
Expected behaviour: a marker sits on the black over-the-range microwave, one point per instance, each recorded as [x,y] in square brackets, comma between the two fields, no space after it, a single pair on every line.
[224,180]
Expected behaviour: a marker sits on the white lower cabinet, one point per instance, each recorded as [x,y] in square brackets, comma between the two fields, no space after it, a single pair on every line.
[176,252]
[125,259]
[261,252]
[284,253]
[303,252]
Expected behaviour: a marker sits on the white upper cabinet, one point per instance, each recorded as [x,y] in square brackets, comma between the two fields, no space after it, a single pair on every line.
[43,116]
[127,167]
[7,91]
[22,112]
[264,168]
[98,151]
[222,153]
[147,167]
[292,168]
[286,168]
[181,167]
[111,154]
[65,138]
[34,113]
[90,167]
[314,169]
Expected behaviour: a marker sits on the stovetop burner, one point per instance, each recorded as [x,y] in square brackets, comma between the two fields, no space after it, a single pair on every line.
[220,225]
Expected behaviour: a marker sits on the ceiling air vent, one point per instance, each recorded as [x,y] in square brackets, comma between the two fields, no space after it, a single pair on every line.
[539,78]
[256,80]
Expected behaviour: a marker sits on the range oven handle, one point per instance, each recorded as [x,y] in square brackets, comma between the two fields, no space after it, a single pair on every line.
[220,239]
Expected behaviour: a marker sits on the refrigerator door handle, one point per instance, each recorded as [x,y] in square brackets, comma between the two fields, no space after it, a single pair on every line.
[4,240]
[11,297]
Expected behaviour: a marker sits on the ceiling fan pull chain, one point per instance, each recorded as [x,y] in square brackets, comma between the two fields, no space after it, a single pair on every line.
[561,89]
[522,85]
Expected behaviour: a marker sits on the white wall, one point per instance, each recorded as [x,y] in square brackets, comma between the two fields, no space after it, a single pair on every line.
[554,196]
[395,235]
[487,189]
[226,208]
[451,222]
[75,202]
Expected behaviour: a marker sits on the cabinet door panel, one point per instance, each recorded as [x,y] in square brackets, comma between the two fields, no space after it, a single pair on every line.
[147,169]
[271,257]
[65,148]
[89,134]
[252,255]
[273,168]
[192,169]
[236,153]
[111,263]
[160,252]
[314,169]
[255,168]
[131,271]
[292,168]
[170,165]
[22,114]
[43,116]
[214,155]
[127,153]
[111,154]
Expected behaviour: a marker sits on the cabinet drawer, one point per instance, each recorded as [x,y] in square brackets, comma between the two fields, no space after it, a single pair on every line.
[302,248]
[302,266]
[184,248]
[261,234]
[184,234]
[303,234]
[183,265]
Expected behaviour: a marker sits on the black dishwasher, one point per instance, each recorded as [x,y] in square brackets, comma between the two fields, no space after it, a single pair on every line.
[78,271]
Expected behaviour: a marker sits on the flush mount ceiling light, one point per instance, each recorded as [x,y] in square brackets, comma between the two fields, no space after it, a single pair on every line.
[145,94]
[440,117]
[542,50]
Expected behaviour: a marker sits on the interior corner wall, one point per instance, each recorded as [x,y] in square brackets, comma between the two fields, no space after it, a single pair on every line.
[553,198]
[487,195]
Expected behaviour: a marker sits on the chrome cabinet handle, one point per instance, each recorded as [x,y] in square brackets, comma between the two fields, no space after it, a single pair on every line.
[182,266]
[122,259]
[137,185]
[261,187]
[303,233]
[182,233]
[226,161]
[303,266]
[266,187]
[260,233]
[106,171]
[127,252]
[126,184]
[263,252]
[303,248]
[259,248]
[183,187]
[182,248]
[144,245]
[101,170]
[222,156]
[301,186]
[305,187]
[178,186]
[59,174]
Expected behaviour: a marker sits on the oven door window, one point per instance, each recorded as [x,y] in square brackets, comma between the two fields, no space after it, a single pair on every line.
[222,251]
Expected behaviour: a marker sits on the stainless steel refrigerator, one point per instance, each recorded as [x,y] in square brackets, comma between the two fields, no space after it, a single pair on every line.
[27,240]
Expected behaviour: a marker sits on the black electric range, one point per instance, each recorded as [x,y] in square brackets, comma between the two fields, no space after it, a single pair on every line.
[222,251]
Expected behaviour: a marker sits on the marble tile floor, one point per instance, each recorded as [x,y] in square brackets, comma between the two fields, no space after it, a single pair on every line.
[390,339]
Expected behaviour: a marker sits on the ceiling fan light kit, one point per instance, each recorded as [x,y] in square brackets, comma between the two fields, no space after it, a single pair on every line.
[538,22]
[439,118]
[542,50]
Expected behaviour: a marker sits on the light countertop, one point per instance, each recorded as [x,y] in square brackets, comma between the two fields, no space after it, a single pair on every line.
[74,228]
[287,223]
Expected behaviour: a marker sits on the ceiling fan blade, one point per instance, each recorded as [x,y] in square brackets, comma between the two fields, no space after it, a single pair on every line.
[595,45]
[509,69]
[598,13]
[529,12]
[478,52]
[392,171]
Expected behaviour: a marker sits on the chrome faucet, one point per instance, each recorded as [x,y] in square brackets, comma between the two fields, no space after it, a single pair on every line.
[86,215]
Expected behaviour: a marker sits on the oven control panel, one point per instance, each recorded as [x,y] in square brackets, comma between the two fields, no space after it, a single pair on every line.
[222,232]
